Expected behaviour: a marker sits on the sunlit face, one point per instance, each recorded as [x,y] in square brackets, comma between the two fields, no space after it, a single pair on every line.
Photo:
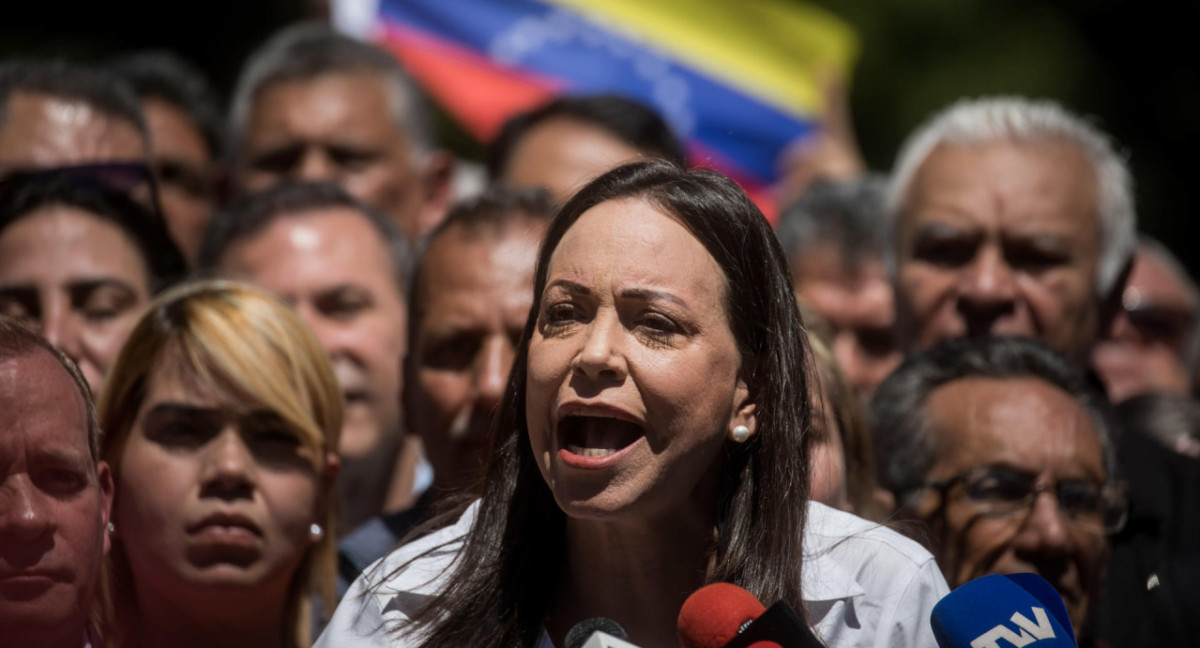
[335,269]
[54,504]
[335,128]
[1028,425]
[214,494]
[76,278]
[1000,238]
[40,131]
[476,292]
[633,373]
[562,155]
[1146,349]
[858,304]
[185,173]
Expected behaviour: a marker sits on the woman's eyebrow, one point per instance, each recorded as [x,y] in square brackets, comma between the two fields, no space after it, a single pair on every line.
[173,408]
[652,295]
[570,286]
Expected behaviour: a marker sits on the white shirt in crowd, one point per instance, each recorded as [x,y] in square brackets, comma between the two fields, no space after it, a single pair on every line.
[865,586]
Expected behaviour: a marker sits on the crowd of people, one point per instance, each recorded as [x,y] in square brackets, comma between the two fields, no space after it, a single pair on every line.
[291,376]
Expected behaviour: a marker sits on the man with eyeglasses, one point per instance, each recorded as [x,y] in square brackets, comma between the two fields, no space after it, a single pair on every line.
[1154,342]
[1001,448]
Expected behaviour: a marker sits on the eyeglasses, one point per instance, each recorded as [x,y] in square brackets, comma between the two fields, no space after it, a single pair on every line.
[132,179]
[1000,490]
[124,177]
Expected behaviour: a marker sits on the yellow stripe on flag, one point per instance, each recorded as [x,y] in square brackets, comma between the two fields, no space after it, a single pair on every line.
[776,50]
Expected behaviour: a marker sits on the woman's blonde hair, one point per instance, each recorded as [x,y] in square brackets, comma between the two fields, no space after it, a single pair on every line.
[246,343]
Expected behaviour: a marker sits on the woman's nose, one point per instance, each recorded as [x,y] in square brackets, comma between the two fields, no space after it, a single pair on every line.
[229,467]
[599,358]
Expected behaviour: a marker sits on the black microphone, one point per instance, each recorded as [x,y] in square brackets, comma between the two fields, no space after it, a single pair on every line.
[722,615]
[597,632]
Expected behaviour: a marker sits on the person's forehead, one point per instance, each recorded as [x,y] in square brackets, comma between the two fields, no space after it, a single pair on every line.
[827,263]
[321,246]
[633,244]
[39,397]
[563,153]
[329,105]
[72,244]
[1019,421]
[489,263]
[40,130]
[1032,185]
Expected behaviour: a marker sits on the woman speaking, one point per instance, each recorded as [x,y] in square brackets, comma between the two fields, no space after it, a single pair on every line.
[652,439]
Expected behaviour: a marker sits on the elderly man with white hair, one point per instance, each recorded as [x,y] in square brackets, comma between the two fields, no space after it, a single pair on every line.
[1010,217]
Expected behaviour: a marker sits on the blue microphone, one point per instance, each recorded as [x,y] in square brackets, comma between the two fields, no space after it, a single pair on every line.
[1003,611]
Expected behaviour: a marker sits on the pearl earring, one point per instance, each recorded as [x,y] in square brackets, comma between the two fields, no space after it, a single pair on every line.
[740,434]
[316,532]
[112,528]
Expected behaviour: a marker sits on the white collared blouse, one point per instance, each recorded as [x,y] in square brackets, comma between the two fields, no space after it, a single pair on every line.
[865,586]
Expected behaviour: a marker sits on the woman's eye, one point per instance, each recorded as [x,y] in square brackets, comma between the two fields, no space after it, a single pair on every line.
[560,313]
[658,326]
[105,302]
[277,437]
[181,434]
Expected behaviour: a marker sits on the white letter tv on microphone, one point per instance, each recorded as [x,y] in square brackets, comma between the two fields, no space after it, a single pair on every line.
[1029,631]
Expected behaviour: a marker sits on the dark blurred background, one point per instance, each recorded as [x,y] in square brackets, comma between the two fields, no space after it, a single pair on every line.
[1134,67]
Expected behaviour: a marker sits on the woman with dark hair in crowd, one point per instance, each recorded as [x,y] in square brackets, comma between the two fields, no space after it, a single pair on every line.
[652,439]
[221,421]
[80,259]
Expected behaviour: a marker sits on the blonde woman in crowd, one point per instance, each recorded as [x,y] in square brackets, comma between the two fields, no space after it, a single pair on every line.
[221,418]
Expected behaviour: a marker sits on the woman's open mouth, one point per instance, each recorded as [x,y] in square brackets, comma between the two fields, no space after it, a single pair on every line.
[596,434]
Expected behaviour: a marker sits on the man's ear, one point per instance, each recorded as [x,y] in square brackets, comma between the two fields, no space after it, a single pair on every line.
[1111,302]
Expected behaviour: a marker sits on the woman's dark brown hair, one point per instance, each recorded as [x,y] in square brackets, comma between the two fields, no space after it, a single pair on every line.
[499,591]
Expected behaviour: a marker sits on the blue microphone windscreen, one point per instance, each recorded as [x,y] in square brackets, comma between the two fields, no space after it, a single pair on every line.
[1042,590]
[996,612]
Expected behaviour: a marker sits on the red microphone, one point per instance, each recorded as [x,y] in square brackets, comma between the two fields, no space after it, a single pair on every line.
[712,616]
[722,615]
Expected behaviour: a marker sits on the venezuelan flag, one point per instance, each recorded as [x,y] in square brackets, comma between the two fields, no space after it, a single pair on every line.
[738,81]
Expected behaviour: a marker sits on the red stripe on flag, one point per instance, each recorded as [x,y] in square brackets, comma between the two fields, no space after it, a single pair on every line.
[760,194]
[479,93]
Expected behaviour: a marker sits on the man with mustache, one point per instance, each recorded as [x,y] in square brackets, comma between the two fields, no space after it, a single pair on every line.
[342,266]
[1002,449]
[55,495]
